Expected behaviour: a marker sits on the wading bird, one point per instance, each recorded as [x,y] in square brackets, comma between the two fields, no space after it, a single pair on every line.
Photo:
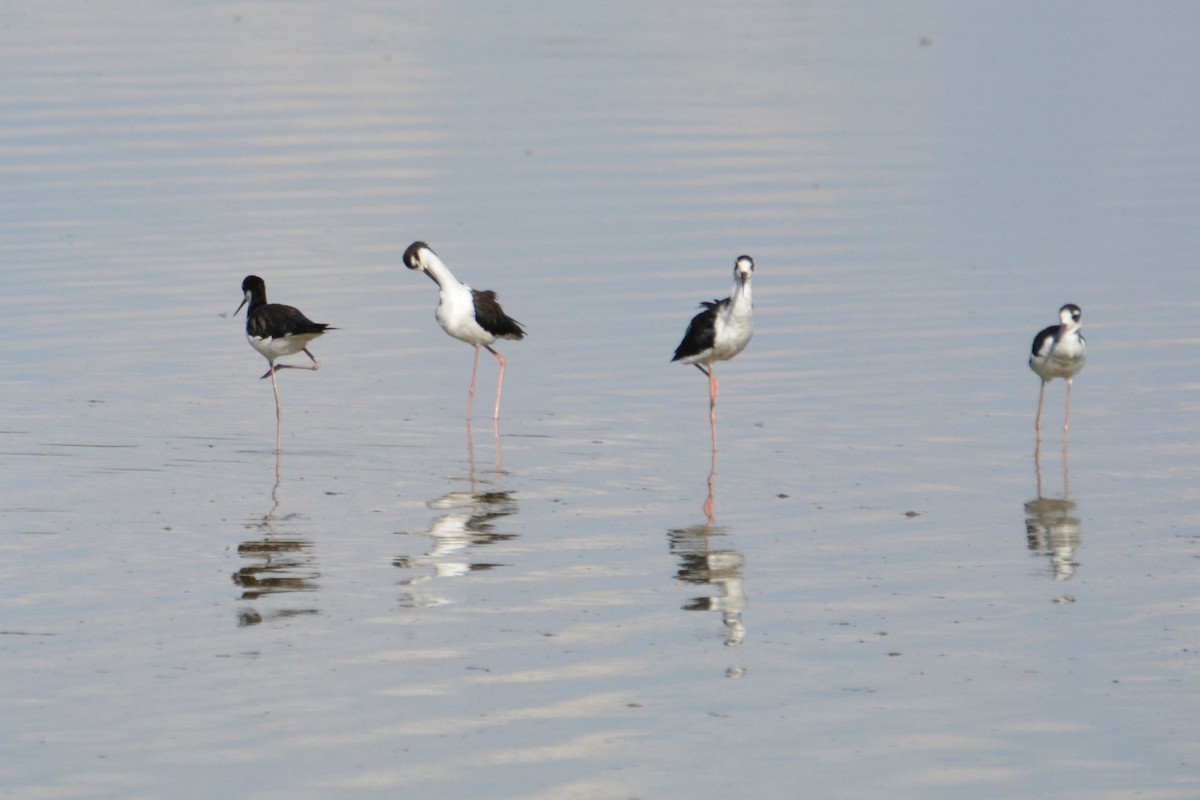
[1059,352]
[720,332]
[276,330]
[470,315]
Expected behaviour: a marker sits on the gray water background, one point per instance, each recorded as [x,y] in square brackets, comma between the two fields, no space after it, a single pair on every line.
[894,600]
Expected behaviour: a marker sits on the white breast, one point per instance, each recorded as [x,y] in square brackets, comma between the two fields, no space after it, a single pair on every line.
[456,314]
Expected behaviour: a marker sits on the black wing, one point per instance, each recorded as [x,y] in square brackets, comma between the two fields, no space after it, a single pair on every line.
[1042,342]
[491,316]
[275,320]
[701,331]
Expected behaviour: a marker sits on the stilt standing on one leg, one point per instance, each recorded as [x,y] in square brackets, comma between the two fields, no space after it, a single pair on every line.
[276,330]
[720,332]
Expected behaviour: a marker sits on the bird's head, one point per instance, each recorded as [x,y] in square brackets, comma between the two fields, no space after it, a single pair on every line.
[254,292]
[743,268]
[419,256]
[414,256]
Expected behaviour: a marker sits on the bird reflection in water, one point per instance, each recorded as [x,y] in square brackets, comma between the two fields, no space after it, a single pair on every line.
[704,559]
[466,523]
[1052,527]
[275,562]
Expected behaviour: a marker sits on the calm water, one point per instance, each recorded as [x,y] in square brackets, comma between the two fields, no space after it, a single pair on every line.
[891,599]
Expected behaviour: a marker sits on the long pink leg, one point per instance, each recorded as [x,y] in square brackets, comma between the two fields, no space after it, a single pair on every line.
[1067,421]
[278,413]
[471,453]
[499,452]
[713,389]
[712,410]
[471,391]
[1041,400]
[500,385]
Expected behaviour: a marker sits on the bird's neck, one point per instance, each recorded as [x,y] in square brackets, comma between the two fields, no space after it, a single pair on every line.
[254,302]
[440,273]
[740,299]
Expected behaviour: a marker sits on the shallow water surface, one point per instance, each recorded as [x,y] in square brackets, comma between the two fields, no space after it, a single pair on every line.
[876,587]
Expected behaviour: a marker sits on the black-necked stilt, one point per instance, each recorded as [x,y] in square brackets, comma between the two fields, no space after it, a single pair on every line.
[720,332]
[467,314]
[276,330]
[1059,352]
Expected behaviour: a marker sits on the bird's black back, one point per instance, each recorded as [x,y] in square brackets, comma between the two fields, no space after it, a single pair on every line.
[275,320]
[1040,341]
[491,316]
[701,331]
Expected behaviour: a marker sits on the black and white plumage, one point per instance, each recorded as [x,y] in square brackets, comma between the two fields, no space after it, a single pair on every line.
[720,331]
[276,330]
[470,315]
[1059,352]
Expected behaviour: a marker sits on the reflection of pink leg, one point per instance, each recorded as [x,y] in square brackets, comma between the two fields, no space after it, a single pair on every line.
[1041,401]
[711,501]
[1037,466]
[471,391]
[1066,469]
[500,385]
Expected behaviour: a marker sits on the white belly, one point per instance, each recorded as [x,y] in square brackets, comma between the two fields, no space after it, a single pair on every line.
[273,348]
[1065,360]
[731,335]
